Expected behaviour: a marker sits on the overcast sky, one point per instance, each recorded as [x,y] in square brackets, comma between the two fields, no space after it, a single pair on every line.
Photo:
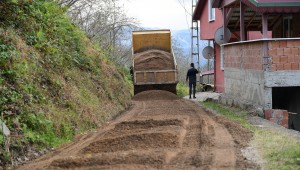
[168,14]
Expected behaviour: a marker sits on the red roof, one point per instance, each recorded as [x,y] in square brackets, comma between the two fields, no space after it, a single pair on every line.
[276,1]
[269,6]
[274,6]
[198,10]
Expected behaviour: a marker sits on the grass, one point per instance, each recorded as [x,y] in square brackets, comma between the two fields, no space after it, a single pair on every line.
[182,89]
[54,82]
[277,150]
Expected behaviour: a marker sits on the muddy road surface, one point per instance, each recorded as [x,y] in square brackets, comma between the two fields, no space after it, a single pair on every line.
[160,131]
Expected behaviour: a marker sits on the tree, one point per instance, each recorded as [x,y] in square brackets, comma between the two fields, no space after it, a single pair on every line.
[182,59]
[68,3]
[106,22]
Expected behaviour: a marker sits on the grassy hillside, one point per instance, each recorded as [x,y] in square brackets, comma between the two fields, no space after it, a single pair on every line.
[54,83]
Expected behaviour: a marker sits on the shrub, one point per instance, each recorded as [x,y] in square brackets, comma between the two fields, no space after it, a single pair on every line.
[182,89]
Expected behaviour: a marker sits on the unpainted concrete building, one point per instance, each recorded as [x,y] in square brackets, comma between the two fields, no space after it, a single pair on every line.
[262,70]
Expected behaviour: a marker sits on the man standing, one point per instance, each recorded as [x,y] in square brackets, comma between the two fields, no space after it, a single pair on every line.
[191,76]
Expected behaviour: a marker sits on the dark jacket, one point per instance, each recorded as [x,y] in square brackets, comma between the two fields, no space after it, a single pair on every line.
[191,75]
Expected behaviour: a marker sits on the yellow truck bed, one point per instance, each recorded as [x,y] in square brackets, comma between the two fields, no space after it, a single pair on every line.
[143,41]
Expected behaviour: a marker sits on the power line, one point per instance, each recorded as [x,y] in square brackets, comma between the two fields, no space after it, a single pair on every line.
[186,18]
[183,6]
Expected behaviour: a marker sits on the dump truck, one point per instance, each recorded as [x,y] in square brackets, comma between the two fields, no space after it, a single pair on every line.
[154,65]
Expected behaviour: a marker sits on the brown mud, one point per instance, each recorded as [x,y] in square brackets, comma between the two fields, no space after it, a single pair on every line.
[153,60]
[158,132]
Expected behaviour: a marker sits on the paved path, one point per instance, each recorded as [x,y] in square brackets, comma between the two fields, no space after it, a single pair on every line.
[202,96]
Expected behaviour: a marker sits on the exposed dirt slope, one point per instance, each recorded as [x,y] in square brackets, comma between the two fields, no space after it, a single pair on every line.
[170,133]
[54,82]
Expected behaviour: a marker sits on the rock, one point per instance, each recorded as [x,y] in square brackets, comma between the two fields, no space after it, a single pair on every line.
[4,128]
[35,154]
[260,112]
[19,159]
[41,152]
[25,158]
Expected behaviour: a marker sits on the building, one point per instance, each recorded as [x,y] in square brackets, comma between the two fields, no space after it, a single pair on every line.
[261,61]
[210,20]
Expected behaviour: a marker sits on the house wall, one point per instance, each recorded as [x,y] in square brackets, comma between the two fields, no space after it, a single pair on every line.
[244,75]
[208,28]
[207,32]
[253,68]
[255,35]
[219,73]
[246,55]
[284,58]
[285,54]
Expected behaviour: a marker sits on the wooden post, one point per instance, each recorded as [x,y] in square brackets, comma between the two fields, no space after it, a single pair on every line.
[224,23]
[208,65]
[265,25]
[242,25]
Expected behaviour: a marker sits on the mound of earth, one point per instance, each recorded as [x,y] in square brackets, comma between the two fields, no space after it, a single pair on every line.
[155,95]
[156,134]
[153,60]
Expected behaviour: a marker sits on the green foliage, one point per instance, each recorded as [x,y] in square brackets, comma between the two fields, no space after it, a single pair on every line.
[126,73]
[54,83]
[41,131]
[7,52]
[45,27]
[240,117]
[182,89]
[278,150]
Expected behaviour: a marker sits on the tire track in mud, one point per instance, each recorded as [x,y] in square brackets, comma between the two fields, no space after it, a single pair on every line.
[164,132]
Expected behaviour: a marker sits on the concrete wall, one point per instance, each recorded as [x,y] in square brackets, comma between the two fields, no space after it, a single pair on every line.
[282,78]
[244,74]
[253,68]
[245,86]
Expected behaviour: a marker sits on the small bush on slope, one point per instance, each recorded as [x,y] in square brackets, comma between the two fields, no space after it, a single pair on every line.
[54,83]
[182,89]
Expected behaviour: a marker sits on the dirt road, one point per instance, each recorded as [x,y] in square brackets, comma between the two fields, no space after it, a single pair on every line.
[160,131]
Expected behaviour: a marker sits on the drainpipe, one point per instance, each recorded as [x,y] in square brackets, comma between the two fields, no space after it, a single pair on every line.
[208,65]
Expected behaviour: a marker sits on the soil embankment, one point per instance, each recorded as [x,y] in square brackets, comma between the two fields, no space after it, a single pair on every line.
[160,131]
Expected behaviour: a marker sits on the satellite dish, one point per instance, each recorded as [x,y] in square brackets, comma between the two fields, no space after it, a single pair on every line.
[208,52]
[219,37]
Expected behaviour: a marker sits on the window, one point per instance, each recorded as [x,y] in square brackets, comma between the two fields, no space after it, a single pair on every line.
[211,11]
[287,27]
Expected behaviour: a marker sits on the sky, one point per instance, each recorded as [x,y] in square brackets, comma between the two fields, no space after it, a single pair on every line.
[166,14]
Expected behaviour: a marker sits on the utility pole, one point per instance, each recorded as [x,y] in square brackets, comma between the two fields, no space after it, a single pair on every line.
[195,51]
